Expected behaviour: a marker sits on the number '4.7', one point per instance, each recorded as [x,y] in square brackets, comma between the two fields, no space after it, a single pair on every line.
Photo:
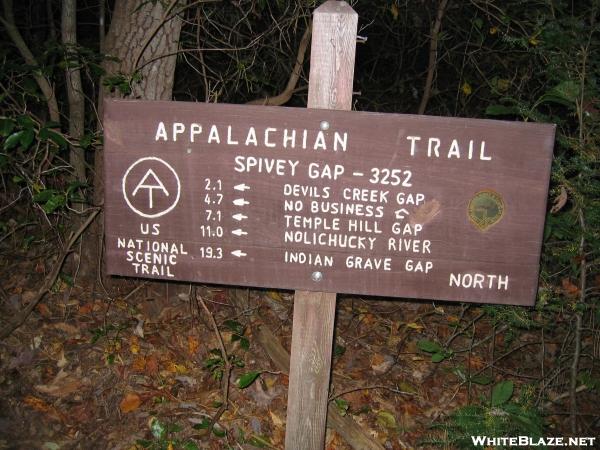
[214,199]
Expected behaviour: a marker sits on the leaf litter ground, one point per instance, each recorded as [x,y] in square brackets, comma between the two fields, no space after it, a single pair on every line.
[140,367]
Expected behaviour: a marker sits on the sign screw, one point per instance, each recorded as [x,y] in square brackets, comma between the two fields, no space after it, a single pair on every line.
[189,151]
[317,276]
[324,125]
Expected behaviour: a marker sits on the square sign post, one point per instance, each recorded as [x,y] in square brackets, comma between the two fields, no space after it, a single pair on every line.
[323,200]
[333,48]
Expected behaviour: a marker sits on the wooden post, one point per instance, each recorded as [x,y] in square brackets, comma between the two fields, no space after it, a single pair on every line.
[330,87]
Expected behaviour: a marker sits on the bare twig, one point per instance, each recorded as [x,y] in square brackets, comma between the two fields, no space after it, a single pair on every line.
[578,328]
[365,388]
[49,281]
[227,368]
[433,52]
[578,389]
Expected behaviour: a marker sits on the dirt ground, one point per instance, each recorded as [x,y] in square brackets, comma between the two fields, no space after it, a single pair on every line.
[140,366]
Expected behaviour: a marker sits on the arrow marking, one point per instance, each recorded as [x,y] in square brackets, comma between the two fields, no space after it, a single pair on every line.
[239,217]
[238,253]
[239,232]
[241,187]
[400,214]
[240,202]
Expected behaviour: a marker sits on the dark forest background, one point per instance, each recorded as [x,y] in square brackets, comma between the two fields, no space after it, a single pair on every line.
[534,60]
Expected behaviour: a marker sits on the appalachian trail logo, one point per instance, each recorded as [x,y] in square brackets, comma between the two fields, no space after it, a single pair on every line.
[151,187]
[486,209]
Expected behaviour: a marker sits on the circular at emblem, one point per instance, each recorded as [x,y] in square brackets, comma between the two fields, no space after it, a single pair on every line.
[486,209]
[151,187]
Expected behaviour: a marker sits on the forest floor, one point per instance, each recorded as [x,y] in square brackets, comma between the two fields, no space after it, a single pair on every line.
[139,367]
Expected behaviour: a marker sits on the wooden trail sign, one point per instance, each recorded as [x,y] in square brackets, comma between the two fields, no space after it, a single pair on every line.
[325,200]
[354,202]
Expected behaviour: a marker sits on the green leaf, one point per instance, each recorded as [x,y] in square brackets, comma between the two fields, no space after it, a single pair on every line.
[234,326]
[481,379]
[247,379]
[44,196]
[6,126]
[57,138]
[566,93]
[259,441]
[86,141]
[190,446]
[27,138]
[386,420]
[13,140]
[501,110]
[338,350]
[244,342]
[158,429]
[502,392]
[438,357]
[57,201]
[342,406]
[202,425]
[174,428]
[429,346]
[218,431]
[26,122]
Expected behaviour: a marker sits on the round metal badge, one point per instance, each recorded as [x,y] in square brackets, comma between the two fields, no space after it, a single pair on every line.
[486,209]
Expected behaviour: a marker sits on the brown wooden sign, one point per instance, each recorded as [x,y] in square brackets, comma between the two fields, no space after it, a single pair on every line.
[334,201]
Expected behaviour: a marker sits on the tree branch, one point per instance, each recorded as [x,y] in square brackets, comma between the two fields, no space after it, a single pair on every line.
[13,32]
[286,94]
[433,51]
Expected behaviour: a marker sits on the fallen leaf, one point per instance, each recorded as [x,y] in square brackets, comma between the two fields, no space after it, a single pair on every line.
[62,385]
[139,328]
[130,402]
[275,295]
[44,310]
[277,421]
[475,362]
[134,345]
[152,365]
[569,288]
[193,345]
[86,309]
[62,361]
[41,406]
[466,88]
[139,364]
[560,201]
[381,363]
[65,327]
[176,368]
[37,403]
